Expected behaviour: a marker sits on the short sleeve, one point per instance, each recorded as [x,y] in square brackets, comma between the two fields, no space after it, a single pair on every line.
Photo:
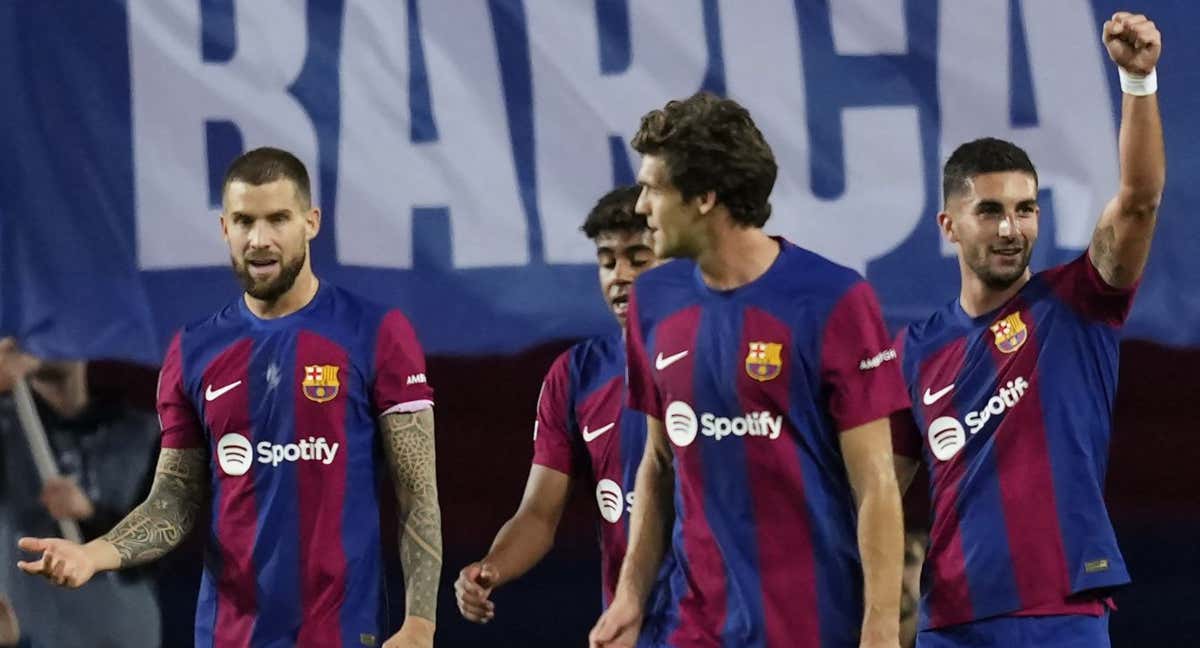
[858,364]
[643,393]
[906,436]
[181,429]
[400,384]
[1080,285]
[552,445]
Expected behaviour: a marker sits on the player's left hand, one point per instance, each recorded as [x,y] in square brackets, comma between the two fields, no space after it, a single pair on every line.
[619,626]
[415,633]
[1133,42]
[65,500]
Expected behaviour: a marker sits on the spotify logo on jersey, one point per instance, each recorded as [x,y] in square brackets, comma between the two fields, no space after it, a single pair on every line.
[608,497]
[946,437]
[234,454]
[681,423]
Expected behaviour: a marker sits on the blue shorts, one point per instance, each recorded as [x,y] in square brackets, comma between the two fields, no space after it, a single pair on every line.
[1063,631]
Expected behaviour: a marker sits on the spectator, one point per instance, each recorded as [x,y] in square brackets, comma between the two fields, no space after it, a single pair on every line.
[105,452]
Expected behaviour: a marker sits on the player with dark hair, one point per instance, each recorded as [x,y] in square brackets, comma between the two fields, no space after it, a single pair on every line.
[766,375]
[272,413]
[583,434]
[1013,384]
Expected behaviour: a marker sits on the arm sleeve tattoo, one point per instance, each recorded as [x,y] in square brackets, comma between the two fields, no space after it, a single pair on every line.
[161,522]
[409,446]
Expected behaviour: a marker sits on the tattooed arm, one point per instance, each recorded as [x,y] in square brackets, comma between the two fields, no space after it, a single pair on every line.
[409,448]
[1121,243]
[152,529]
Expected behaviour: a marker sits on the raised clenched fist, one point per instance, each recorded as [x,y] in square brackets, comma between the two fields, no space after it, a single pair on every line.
[1133,42]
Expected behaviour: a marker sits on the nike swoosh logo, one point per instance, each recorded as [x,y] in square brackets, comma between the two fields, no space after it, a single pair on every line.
[661,363]
[594,434]
[932,397]
[211,394]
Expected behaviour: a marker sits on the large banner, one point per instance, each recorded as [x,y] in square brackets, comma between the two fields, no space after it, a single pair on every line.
[456,146]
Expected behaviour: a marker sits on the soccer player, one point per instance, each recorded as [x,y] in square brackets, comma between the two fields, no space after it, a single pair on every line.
[271,412]
[1012,387]
[767,378]
[584,434]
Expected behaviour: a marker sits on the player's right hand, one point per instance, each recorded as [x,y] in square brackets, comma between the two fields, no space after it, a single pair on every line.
[472,589]
[619,626]
[63,562]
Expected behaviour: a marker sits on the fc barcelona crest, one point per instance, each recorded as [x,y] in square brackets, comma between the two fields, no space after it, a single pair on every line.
[1010,333]
[764,361]
[320,382]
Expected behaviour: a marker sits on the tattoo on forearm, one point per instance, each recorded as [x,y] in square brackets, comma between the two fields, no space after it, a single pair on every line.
[161,522]
[409,446]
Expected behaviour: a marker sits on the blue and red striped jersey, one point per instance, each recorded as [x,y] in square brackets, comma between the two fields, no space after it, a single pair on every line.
[1012,413]
[287,410]
[584,429]
[754,386]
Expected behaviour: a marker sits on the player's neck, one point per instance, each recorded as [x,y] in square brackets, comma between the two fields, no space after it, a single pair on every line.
[977,298]
[298,296]
[736,256]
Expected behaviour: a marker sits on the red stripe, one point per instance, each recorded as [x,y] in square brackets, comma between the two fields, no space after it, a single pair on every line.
[237,515]
[603,407]
[1026,479]
[949,598]
[702,609]
[785,554]
[322,492]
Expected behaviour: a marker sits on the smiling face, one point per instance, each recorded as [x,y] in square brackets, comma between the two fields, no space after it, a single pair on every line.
[994,224]
[622,255]
[268,227]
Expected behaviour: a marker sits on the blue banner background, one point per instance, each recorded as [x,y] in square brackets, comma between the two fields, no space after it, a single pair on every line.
[71,284]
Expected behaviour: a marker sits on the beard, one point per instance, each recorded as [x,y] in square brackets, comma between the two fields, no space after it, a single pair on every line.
[999,279]
[271,289]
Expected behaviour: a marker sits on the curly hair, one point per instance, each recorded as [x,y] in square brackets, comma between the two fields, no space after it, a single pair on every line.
[710,143]
[984,155]
[614,212]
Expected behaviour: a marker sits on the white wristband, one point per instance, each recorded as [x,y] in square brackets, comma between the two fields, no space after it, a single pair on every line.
[1138,85]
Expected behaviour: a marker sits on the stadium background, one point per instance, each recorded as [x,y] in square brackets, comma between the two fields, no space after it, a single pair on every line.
[503,121]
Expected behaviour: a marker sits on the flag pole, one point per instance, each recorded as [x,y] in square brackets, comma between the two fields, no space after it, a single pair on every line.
[39,446]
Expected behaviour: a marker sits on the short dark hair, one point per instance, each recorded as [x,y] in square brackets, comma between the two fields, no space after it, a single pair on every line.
[710,143]
[985,155]
[615,212]
[266,164]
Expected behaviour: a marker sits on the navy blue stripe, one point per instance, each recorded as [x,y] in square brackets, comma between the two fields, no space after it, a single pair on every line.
[363,610]
[276,547]
[728,503]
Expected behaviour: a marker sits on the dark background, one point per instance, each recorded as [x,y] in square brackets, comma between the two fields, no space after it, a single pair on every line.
[484,424]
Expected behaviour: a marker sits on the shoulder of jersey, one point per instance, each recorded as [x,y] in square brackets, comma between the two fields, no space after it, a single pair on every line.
[808,271]
[595,359]
[673,271]
[596,348]
[221,317]
[932,326]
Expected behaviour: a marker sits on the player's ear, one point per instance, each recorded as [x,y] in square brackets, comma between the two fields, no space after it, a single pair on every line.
[946,226]
[312,223]
[224,219]
[706,201]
